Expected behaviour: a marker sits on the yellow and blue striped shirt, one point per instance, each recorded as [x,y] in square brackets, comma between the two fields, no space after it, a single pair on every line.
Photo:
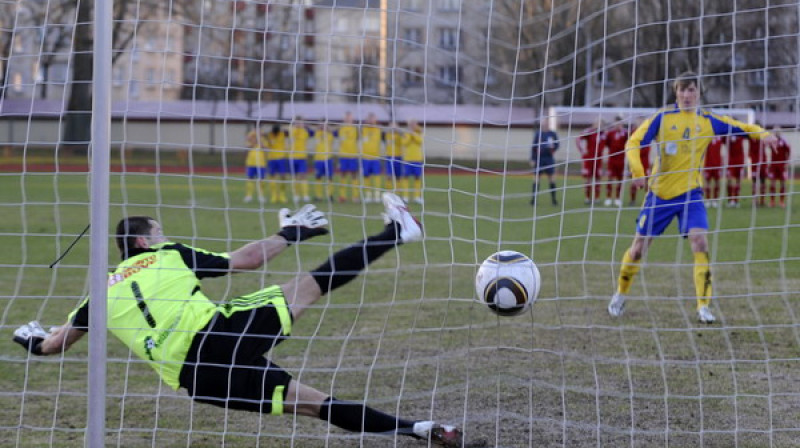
[681,139]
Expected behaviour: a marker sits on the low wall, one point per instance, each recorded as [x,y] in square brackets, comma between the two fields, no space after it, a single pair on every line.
[443,142]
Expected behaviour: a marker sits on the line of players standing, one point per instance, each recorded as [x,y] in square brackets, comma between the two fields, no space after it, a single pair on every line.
[603,152]
[370,157]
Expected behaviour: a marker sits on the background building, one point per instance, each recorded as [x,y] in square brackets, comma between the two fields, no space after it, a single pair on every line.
[527,53]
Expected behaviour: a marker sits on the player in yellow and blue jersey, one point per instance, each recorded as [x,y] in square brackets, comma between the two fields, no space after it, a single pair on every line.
[681,133]
[371,144]
[413,162]
[323,162]
[255,165]
[277,164]
[393,141]
[299,136]
[348,159]
[157,308]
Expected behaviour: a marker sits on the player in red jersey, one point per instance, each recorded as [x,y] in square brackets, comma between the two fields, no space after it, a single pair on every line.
[616,138]
[591,143]
[778,169]
[712,172]
[758,164]
[736,167]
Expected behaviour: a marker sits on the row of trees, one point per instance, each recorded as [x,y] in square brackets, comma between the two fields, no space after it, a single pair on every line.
[536,52]
[566,47]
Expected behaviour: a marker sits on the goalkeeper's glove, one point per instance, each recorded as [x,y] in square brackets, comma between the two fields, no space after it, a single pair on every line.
[302,224]
[31,336]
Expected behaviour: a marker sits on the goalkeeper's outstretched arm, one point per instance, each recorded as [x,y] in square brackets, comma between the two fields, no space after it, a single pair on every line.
[297,226]
[37,341]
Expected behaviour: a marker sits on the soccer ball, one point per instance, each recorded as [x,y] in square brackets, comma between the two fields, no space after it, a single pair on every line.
[507,282]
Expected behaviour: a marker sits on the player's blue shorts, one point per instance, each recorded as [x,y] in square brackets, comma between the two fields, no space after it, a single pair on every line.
[657,213]
[298,166]
[348,165]
[412,169]
[370,167]
[279,166]
[394,167]
[323,168]
[255,171]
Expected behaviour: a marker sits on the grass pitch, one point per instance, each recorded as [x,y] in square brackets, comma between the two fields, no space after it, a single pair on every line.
[408,334]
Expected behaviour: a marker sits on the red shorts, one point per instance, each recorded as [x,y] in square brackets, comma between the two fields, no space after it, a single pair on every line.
[712,173]
[589,169]
[616,171]
[735,171]
[778,171]
[759,171]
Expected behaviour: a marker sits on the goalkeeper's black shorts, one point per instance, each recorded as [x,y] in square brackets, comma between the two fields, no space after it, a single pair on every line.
[226,366]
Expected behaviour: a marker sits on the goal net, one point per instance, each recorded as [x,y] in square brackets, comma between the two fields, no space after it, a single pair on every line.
[204,95]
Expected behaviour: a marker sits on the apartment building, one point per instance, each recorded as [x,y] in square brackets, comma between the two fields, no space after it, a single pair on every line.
[411,52]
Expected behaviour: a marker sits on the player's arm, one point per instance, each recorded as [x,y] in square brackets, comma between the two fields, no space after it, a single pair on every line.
[641,137]
[37,341]
[297,226]
[582,145]
[723,125]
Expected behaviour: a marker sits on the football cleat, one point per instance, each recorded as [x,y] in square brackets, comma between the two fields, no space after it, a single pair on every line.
[617,305]
[397,211]
[704,315]
[439,435]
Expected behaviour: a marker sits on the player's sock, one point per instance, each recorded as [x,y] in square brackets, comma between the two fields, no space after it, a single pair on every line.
[318,189]
[418,188]
[304,188]
[357,417]
[702,279]
[282,193]
[553,192]
[627,272]
[377,182]
[271,187]
[344,185]
[404,188]
[250,188]
[355,190]
[260,186]
[347,264]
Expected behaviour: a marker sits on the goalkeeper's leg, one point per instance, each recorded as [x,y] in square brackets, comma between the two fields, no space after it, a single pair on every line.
[357,417]
[346,264]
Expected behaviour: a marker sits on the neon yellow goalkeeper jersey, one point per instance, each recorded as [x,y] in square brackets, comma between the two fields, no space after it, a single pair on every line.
[682,138]
[156,306]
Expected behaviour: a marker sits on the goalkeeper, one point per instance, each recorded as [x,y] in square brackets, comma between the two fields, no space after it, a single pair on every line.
[157,308]
[682,133]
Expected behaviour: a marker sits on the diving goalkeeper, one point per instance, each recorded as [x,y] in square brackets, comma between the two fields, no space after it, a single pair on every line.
[157,308]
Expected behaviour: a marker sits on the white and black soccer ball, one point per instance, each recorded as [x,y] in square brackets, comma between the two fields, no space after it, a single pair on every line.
[508,282]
